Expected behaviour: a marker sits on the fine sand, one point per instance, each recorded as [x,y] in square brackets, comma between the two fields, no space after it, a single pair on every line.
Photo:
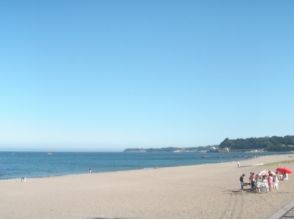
[200,191]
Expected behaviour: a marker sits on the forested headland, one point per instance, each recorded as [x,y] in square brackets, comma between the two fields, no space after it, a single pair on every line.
[273,143]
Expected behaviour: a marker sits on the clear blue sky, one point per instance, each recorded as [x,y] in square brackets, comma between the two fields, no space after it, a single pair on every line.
[105,75]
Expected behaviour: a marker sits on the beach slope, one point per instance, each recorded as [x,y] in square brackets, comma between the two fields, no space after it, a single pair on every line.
[200,191]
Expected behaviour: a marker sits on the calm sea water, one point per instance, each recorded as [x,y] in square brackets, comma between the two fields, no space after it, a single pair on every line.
[39,164]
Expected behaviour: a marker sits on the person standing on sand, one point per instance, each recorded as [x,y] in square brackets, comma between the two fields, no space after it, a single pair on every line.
[258,182]
[276,182]
[252,180]
[265,182]
[270,182]
[242,181]
[238,164]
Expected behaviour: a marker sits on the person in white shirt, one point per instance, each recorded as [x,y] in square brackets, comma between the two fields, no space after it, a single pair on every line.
[276,182]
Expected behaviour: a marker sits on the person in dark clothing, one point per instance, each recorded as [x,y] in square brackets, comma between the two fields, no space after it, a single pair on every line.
[242,181]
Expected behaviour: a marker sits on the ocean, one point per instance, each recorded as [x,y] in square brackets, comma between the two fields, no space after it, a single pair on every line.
[43,164]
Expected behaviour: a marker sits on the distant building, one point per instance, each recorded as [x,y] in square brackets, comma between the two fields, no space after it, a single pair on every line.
[218,150]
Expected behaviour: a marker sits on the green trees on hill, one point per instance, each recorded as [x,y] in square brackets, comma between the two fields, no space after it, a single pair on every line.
[273,143]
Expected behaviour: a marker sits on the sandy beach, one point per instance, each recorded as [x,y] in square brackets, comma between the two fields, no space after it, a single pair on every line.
[199,191]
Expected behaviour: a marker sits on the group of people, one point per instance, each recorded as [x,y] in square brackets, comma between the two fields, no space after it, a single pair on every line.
[265,181]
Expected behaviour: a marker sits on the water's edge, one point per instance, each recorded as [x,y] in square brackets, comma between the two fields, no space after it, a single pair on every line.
[16,165]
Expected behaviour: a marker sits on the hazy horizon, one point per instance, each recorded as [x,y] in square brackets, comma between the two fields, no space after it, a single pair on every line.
[108,75]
